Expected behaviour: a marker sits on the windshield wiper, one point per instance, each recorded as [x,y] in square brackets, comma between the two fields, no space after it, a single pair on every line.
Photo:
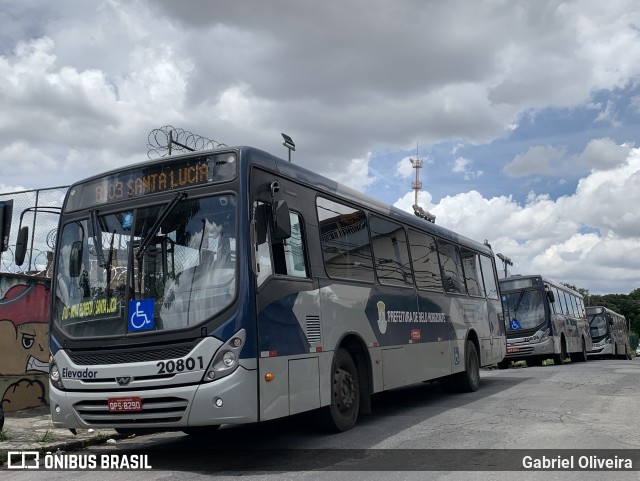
[97,238]
[515,309]
[156,225]
[108,266]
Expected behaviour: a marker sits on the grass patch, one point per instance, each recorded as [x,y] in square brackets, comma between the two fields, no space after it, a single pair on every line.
[45,437]
[4,436]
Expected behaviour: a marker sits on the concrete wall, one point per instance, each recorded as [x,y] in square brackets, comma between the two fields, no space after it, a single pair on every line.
[24,343]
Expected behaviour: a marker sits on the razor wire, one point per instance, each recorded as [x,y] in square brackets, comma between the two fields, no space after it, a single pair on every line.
[169,140]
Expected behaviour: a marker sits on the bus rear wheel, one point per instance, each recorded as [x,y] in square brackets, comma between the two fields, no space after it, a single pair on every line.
[469,379]
[342,414]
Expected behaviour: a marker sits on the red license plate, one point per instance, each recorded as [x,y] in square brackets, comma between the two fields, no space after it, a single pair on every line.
[124,404]
[513,349]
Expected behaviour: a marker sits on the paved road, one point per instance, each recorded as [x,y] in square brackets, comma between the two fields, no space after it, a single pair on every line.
[588,406]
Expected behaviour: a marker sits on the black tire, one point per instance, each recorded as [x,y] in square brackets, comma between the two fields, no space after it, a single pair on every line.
[504,364]
[580,356]
[469,379]
[342,414]
[559,359]
[201,430]
[534,362]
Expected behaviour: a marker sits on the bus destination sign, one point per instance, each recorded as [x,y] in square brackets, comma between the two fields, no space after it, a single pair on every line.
[153,179]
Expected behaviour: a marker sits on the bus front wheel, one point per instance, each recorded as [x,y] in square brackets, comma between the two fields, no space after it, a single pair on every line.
[559,359]
[534,361]
[504,364]
[342,414]
[580,356]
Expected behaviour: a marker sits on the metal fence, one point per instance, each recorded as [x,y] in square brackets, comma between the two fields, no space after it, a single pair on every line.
[42,230]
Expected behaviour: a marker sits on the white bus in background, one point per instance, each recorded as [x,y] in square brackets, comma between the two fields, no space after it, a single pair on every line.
[544,320]
[609,333]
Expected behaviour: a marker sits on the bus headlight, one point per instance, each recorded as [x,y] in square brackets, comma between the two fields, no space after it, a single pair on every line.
[227,358]
[54,376]
[545,335]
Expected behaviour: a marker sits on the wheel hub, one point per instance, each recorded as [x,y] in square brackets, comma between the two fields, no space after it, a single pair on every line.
[345,388]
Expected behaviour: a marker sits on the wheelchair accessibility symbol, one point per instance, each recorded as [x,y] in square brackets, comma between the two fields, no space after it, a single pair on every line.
[141,315]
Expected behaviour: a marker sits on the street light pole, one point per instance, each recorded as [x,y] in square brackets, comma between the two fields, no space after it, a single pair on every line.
[505,261]
[288,143]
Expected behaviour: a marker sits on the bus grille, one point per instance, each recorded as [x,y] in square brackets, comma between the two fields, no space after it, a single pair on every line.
[154,411]
[123,357]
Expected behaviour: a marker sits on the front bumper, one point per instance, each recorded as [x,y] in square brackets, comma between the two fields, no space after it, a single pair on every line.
[168,407]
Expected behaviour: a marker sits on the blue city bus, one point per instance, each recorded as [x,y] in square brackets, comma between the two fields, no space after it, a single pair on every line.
[230,286]
[545,320]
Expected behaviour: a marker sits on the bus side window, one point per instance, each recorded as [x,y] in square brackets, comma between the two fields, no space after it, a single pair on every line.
[425,260]
[451,265]
[472,275]
[488,274]
[344,236]
[279,256]
[558,305]
[390,252]
[294,251]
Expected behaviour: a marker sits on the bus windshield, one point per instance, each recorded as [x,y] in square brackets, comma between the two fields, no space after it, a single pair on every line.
[156,268]
[524,308]
[598,326]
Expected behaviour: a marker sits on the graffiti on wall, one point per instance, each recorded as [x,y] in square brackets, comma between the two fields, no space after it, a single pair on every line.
[24,352]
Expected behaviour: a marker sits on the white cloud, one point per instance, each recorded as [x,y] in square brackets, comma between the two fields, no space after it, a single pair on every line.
[19,159]
[602,154]
[536,160]
[404,168]
[462,165]
[357,176]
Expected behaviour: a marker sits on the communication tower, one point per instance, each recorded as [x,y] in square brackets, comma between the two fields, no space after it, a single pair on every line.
[416,184]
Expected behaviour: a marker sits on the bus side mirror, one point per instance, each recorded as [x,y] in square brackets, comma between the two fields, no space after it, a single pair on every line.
[6,210]
[281,220]
[551,297]
[21,245]
[75,259]
[261,218]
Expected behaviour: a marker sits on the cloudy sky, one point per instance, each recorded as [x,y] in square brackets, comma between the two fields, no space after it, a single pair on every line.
[525,113]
